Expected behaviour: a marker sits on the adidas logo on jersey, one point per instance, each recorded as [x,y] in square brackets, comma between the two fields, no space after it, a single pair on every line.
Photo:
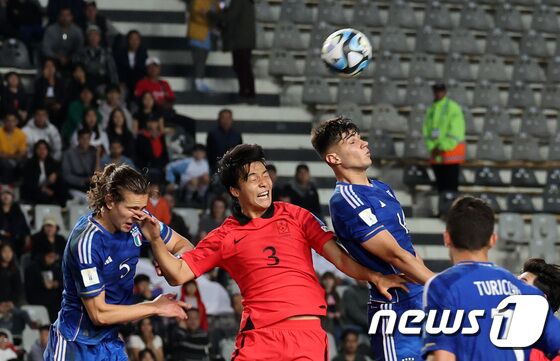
[108,260]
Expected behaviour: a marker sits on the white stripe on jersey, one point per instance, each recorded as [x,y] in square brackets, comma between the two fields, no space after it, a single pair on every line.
[83,236]
[392,339]
[63,353]
[356,198]
[346,195]
[84,245]
[386,345]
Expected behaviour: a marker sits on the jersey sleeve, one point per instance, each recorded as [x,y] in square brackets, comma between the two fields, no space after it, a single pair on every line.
[87,270]
[549,342]
[435,298]
[164,230]
[206,255]
[315,231]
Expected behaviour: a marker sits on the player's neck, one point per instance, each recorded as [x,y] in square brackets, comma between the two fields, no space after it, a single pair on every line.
[252,212]
[103,219]
[469,256]
[353,176]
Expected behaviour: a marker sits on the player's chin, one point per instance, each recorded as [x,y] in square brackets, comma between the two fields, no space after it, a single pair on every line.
[264,201]
[126,227]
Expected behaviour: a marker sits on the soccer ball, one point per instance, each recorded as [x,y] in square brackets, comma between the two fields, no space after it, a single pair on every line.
[346,52]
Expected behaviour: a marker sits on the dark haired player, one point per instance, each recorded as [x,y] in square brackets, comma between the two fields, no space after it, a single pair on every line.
[475,283]
[99,265]
[266,247]
[370,223]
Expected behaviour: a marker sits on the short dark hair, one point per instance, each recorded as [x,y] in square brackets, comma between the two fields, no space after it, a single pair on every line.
[330,132]
[141,278]
[548,279]
[470,223]
[349,331]
[224,110]
[199,146]
[302,166]
[233,166]
[113,88]
[83,131]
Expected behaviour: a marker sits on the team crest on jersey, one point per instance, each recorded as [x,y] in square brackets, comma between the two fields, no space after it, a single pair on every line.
[283,227]
[136,236]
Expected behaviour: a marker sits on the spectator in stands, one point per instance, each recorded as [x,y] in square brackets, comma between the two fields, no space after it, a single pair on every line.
[189,342]
[99,138]
[7,30]
[131,61]
[332,322]
[195,178]
[113,101]
[77,82]
[190,294]
[349,350]
[222,138]
[209,222]
[40,128]
[145,338]
[13,148]
[43,282]
[47,239]
[63,39]
[49,92]
[8,351]
[444,134]
[161,90]
[42,181]
[14,99]
[115,155]
[11,290]
[26,16]
[39,346]
[151,150]
[157,205]
[142,289]
[148,110]
[303,192]
[76,112]
[146,355]
[79,163]
[199,36]
[76,7]
[13,225]
[177,223]
[353,300]
[92,17]
[117,130]
[277,187]
[98,60]
[237,22]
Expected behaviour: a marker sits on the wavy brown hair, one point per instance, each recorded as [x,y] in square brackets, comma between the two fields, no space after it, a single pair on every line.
[112,181]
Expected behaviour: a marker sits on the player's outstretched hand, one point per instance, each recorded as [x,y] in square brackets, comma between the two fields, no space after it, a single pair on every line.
[168,306]
[149,225]
[385,282]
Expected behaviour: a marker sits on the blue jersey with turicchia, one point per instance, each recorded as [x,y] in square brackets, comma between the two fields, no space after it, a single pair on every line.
[359,212]
[94,261]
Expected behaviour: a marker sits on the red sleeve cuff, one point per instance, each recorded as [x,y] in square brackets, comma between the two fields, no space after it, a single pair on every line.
[187,257]
[323,240]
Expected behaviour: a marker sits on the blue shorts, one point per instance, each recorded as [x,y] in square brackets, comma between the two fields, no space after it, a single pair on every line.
[60,349]
[396,346]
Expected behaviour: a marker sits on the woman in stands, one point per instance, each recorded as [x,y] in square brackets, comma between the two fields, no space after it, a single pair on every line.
[14,98]
[145,338]
[49,92]
[117,130]
[99,138]
[148,110]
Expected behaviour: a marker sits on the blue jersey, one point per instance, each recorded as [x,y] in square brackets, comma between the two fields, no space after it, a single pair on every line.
[95,261]
[481,286]
[359,212]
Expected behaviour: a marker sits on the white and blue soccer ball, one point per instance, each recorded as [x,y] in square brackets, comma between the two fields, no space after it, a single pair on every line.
[347,52]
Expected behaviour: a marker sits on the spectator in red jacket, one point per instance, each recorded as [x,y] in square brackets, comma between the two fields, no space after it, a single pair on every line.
[151,151]
[152,83]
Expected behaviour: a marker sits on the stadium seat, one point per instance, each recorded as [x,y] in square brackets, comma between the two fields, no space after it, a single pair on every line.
[544,235]
[75,212]
[470,126]
[388,65]
[520,96]
[437,16]
[463,41]
[263,12]
[14,54]
[414,175]
[553,69]
[458,92]
[287,36]
[511,229]
[492,68]
[533,44]
[545,20]
[394,39]
[486,94]
[43,211]
[490,147]
[401,15]
[534,123]
[282,63]
[423,66]
[429,41]
[553,176]
[384,91]
[499,43]
[385,116]
[475,18]
[520,203]
[457,67]
[263,42]
[381,145]
[551,199]
[527,69]
[508,18]
[321,30]
[487,176]
[351,91]
[366,14]
[550,96]
[191,217]
[416,117]
[24,262]
[491,200]
[418,91]
[523,177]
[352,111]
[37,313]
[295,11]
[332,12]
[28,337]
[314,65]
[496,120]
[526,148]
[554,148]
[414,146]
[316,91]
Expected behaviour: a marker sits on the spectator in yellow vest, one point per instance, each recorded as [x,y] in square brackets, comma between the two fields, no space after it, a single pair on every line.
[13,148]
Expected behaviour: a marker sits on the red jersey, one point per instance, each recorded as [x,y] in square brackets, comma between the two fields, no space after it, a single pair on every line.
[270,259]
[537,355]
[160,90]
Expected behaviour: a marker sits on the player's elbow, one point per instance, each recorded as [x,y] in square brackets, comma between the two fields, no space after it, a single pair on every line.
[100,320]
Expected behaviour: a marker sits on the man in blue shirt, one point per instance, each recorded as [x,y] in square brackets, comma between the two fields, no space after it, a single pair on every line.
[99,265]
[369,221]
[473,283]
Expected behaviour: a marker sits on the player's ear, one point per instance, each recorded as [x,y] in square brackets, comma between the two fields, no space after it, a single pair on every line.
[493,239]
[447,239]
[234,192]
[332,159]
[109,203]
